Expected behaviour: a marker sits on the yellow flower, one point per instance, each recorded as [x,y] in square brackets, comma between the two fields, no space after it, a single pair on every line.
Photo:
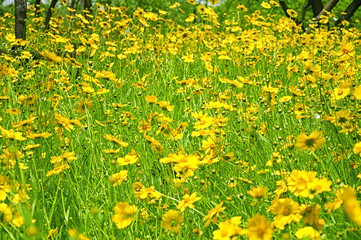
[257,192]
[172,220]
[128,159]
[309,233]
[144,126]
[357,92]
[88,89]
[204,122]
[274,3]
[25,55]
[188,58]
[166,105]
[175,5]
[18,220]
[52,56]
[340,93]
[67,156]
[64,121]
[148,194]
[11,134]
[76,235]
[265,5]
[213,2]
[7,213]
[118,178]
[311,142]
[351,205]
[312,217]
[151,99]
[259,228]
[357,148]
[188,164]
[286,211]
[228,229]
[124,214]
[192,2]
[58,168]
[111,138]
[188,201]
[213,214]
[285,99]
[305,184]
[39,135]
[52,232]
[69,47]
[292,13]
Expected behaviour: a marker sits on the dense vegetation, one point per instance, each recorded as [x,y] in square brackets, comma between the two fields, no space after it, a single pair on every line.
[159,124]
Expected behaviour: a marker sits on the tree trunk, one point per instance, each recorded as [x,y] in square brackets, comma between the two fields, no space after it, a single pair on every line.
[87,5]
[37,8]
[317,6]
[330,5]
[285,8]
[20,19]
[304,9]
[49,13]
[349,11]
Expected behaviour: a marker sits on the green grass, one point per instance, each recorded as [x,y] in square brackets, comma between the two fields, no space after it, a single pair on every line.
[258,125]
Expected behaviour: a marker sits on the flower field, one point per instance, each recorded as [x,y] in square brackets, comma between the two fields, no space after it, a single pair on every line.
[134,126]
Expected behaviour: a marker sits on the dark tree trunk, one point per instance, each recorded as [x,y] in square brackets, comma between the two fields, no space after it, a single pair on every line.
[304,9]
[49,13]
[20,19]
[285,8]
[349,11]
[330,5]
[87,5]
[37,8]
[71,6]
[317,6]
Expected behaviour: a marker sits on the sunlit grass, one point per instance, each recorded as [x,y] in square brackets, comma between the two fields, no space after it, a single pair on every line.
[153,130]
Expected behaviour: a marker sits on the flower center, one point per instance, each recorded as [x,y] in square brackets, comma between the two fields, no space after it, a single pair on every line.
[310,142]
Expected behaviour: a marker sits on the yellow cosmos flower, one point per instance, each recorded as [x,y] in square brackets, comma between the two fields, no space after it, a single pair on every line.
[148,194]
[305,184]
[312,217]
[188,58]
[285,99]
[111,138]
[259,228]
[11,134]
[309,233]
[172,220]
[229,229]
[357,92]
[310,142]
[128,159]
[213,2]
[13,111]
[340,93]
[188,201]
[286,211]
[213,214]
[357,148]
[151,99]
[118,178]
[292,13]
[257,192]
[52,56]
[351,205]
[124,214]
[175,5]
[266,5]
